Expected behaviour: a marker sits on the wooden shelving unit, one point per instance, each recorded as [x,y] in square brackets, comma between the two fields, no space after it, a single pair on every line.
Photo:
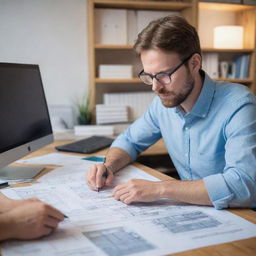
[143,5]
[245,16]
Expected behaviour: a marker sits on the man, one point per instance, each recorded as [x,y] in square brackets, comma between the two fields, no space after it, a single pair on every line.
[208,127]
[27,219]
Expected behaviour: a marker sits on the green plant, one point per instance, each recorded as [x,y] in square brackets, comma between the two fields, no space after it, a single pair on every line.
[85,113]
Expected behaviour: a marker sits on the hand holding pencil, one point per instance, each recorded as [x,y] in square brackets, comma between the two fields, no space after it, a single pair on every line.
[98,176]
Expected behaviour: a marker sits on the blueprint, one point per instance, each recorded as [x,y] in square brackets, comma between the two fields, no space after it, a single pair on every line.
[98,225]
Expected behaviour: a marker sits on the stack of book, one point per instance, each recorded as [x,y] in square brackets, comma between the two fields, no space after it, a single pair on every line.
[136,101]
[89,130]
[238,68]
[107,130]
[107,114]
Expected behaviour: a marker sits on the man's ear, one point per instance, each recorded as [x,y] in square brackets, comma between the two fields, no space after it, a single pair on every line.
[195,63]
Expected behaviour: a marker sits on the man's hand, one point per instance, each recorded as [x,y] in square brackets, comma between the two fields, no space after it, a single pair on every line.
[137,191]
[99,176]
[32,219]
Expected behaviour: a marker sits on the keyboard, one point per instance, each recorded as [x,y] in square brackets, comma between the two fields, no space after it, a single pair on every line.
[87,146]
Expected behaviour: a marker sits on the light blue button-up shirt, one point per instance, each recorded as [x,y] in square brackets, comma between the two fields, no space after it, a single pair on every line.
[215,142]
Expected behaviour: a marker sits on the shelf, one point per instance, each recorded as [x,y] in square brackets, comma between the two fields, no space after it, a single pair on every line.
[130,47]
[137,80]
[224,7]
[239,81]
[143,5]
[113,47]
[115,81]
[227,50]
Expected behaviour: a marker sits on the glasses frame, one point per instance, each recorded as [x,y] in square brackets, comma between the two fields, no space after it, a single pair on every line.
[142,73]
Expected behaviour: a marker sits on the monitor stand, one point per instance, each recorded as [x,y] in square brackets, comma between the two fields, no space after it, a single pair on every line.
[19,172]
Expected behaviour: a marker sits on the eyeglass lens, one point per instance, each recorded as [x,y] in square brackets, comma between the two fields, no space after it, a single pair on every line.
[162,78]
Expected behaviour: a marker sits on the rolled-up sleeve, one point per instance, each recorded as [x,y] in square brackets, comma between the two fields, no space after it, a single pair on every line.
[236,186]
[140,135]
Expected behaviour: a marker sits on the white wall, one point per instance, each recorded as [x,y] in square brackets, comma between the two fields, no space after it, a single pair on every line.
[53,34]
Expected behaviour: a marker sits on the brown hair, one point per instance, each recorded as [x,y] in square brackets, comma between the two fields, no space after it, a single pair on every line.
[172,34]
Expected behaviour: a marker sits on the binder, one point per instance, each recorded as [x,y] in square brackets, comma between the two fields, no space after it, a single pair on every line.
[110,26]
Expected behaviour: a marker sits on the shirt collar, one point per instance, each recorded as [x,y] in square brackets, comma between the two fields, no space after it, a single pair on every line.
[204,101]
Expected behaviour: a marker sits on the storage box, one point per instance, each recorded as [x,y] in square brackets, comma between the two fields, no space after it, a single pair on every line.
[115,71]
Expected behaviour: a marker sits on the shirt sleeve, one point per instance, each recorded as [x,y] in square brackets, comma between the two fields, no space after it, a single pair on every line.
[141,134]
[236,186]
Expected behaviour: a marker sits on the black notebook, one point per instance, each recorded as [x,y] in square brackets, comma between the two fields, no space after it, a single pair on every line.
[87,146]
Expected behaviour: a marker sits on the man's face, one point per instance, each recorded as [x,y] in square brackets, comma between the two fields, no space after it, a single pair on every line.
[181,84]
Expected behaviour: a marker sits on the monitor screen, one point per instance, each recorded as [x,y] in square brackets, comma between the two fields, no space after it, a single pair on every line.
[23,110]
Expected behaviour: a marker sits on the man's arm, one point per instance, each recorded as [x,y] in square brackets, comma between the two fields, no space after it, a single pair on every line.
[116,159]
[140,135]
[193,192]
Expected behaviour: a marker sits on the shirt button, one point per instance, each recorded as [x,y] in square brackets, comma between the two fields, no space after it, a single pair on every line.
[186,154]
[186,128]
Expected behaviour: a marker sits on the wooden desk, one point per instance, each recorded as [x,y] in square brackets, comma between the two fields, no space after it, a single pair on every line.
[237,248]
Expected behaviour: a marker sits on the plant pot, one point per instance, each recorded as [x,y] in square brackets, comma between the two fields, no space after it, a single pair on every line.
[84,120]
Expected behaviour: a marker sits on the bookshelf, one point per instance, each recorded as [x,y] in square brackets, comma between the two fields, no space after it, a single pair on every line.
[245,15]
[238,14]
[103,53]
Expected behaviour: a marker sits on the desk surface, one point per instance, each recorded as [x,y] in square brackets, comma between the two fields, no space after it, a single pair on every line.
[237,248]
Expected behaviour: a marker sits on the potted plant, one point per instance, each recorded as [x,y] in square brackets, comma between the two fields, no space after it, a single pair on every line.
[85,113]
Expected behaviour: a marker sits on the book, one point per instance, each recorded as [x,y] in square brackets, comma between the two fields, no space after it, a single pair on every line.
[244,71]
[210,64]
[132,32]
[237,61]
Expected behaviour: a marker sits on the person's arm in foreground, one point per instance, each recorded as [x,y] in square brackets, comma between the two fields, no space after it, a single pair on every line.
[28,219]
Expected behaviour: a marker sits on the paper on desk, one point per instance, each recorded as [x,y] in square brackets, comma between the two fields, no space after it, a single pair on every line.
[100,225]
[53,159]
[76,173]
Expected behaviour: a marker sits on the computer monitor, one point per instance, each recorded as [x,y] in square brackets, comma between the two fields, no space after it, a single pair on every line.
[24,118]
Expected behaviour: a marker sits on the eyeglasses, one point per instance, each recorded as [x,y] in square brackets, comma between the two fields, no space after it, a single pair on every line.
[162,77]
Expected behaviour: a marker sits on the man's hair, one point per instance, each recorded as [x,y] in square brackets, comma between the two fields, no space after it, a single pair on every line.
[171,34]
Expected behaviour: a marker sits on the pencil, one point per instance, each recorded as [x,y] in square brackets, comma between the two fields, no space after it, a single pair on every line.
[105,174]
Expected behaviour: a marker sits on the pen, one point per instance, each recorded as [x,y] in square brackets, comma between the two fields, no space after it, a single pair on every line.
[4,184]
[65,216]
[105,174]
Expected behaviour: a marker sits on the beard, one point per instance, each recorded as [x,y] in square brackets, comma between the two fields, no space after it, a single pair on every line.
[173,99]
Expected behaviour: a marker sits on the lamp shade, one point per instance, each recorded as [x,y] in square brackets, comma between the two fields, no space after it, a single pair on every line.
[228,37]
